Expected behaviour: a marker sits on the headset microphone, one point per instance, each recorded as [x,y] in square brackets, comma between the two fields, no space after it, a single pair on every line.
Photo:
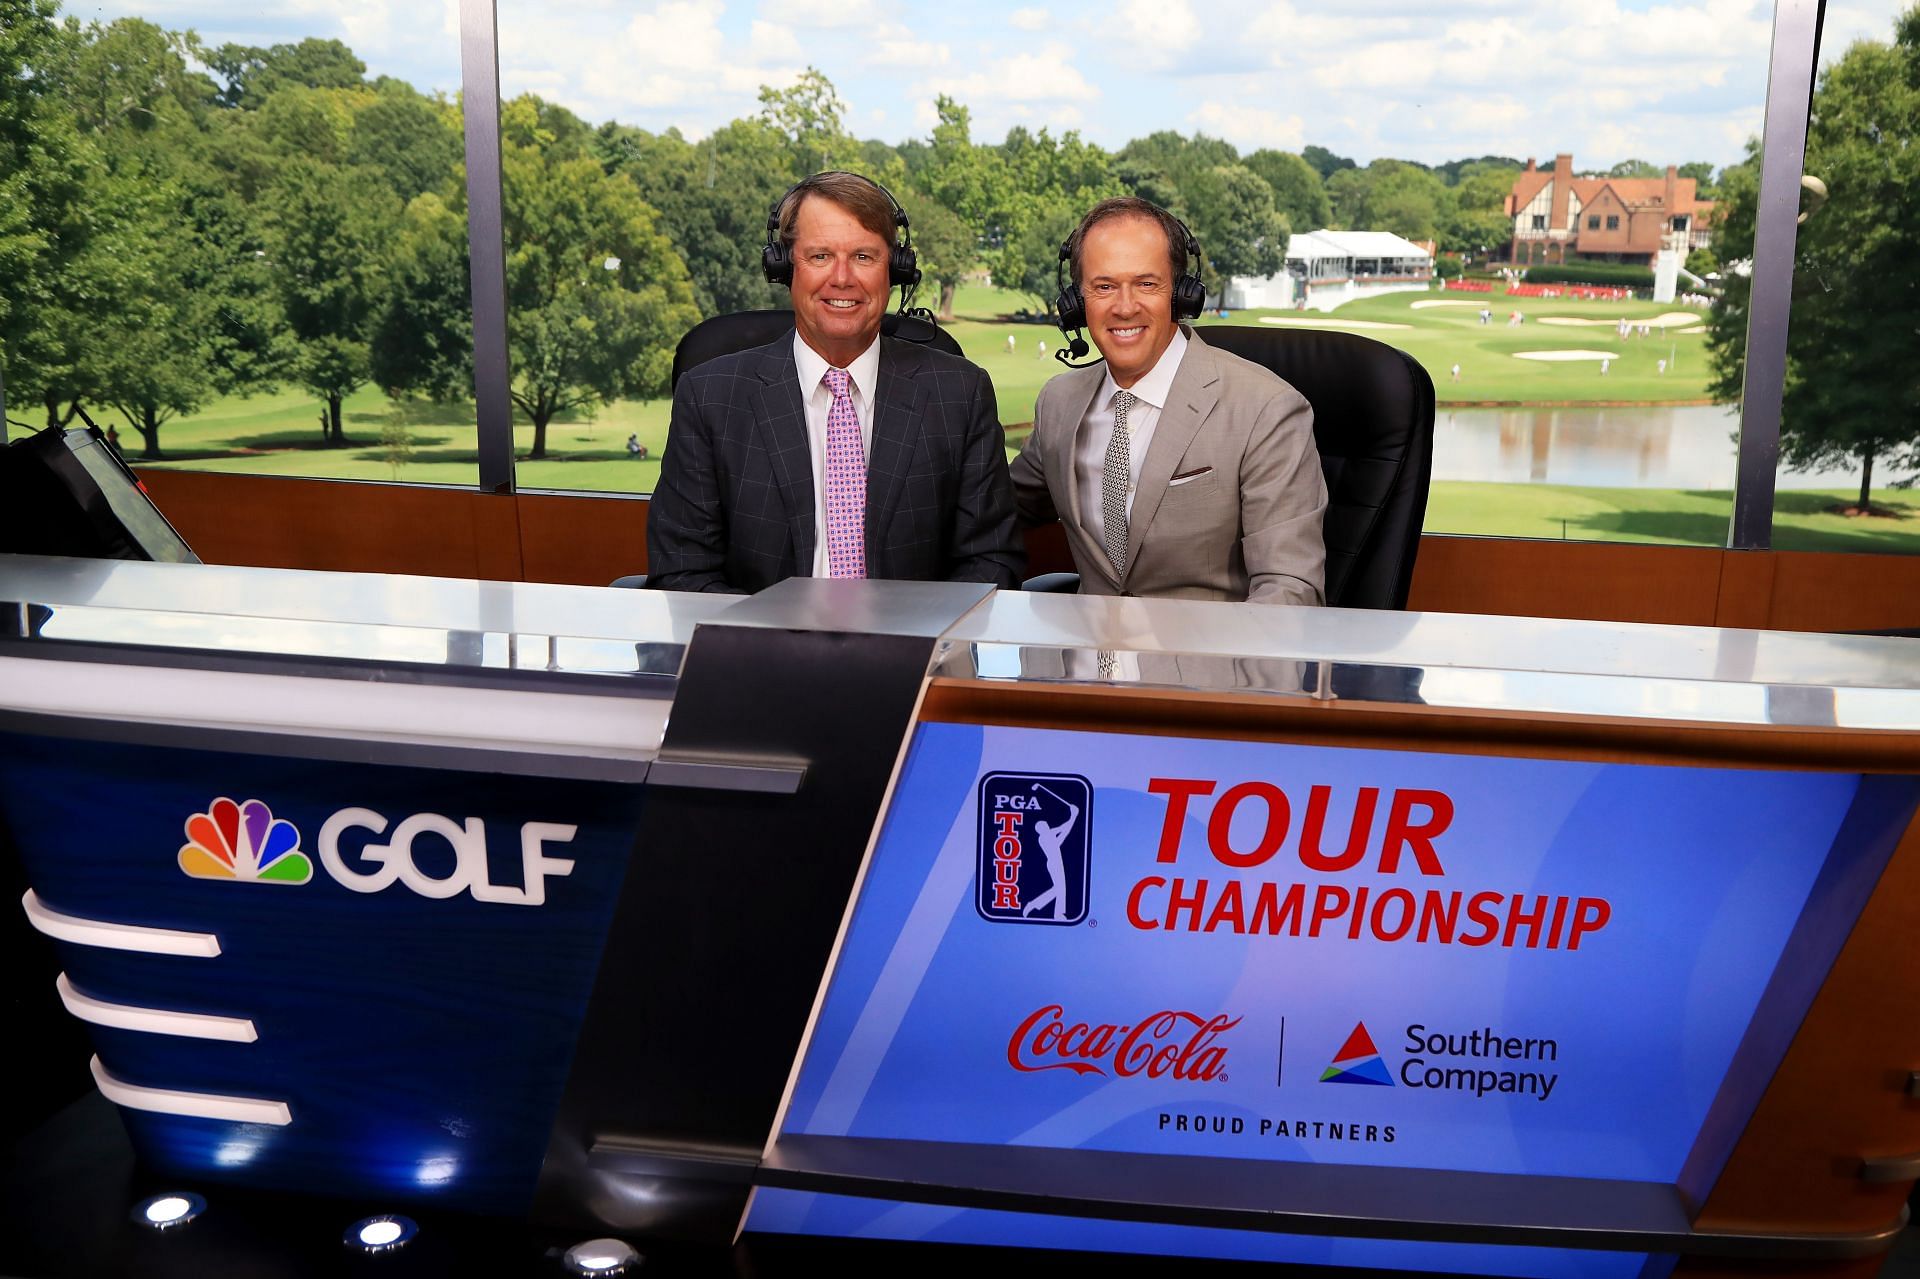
[1075,348]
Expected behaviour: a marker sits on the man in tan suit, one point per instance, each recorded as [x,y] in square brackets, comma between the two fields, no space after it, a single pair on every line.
[1179,470]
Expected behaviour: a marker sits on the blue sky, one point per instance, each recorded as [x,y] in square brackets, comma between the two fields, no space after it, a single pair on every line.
[1662,80]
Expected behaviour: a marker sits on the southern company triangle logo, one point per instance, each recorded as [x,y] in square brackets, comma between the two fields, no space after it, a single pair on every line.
[244,842]
[1358,1062]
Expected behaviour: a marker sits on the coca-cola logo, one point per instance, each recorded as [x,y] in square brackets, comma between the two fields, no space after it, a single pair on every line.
[1168,1042]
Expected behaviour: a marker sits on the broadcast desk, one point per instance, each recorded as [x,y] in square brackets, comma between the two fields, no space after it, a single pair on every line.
[927,913]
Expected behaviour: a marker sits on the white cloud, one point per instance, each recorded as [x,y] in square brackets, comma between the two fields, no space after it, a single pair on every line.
[1156,30]
[1249,128]
[895,46]
[801,16]
[1046,76]
[1030,19]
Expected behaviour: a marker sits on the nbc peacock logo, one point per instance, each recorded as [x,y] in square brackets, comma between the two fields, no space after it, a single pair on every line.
[244,842]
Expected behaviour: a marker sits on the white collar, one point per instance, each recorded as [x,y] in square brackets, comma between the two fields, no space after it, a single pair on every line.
[813,366]
[1152,388]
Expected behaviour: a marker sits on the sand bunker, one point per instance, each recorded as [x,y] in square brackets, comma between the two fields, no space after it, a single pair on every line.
[1671,317]
[1566,355]
[1328,322]
[1697,328]
[1475,304]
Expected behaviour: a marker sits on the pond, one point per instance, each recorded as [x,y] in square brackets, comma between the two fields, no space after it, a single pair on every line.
[1632,446]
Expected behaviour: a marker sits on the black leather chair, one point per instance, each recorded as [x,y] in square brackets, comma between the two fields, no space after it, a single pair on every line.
[744,330]
[1373,423]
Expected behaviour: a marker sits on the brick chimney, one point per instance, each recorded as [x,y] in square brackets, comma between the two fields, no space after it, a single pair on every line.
[1673,182]
[1562,190]
[1530,165]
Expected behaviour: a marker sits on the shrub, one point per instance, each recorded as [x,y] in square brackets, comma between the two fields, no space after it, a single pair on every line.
[1619,273]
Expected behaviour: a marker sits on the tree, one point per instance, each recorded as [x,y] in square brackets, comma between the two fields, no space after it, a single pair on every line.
[1391,195]
[596,296]
[1852,390]
[251,75]
[328,233]
[1021,198]
[1298,190]
[1175,155]
[47,169]
[1233,217]
[810,116]
[1635,169]
[423,337]
[713,198]
[1701,172]
[1478,219]
[943,244]
[415,142]
[1325,162]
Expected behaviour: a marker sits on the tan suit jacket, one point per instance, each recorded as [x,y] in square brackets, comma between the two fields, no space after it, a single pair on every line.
[1230,499]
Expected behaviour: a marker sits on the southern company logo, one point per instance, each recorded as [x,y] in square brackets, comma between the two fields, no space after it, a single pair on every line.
[1035,839]
[1358,1062]
[245,842]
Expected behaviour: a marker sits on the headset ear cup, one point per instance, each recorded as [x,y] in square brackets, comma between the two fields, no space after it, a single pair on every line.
[903,266]
[1071,308]
[777,264]
[1189,298]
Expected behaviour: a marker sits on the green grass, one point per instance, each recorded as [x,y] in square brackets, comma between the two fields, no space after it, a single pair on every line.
[279,434]
[1803,519]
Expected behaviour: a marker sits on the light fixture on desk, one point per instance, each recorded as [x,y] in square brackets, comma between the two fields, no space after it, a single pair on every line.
[602,1257]
[388,1232]
[169,1211]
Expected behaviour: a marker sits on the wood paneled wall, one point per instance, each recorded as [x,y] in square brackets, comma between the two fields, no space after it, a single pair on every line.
[590,539]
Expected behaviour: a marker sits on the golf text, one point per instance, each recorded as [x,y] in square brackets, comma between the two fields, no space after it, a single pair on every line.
[469,873]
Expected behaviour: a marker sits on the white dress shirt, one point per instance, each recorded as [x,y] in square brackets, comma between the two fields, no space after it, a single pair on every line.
[1096,429]
[863,379]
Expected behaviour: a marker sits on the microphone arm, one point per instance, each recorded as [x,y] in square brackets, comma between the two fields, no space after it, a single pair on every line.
[1075,348]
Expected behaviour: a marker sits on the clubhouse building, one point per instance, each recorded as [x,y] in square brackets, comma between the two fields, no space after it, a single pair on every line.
[1558,217]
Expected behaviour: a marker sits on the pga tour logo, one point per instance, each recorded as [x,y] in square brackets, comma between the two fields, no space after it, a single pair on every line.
[1035,833]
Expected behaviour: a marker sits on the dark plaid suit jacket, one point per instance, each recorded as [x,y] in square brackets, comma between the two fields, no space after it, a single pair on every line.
[734,509]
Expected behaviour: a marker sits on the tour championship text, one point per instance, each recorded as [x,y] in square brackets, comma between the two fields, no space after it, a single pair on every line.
[1408,841]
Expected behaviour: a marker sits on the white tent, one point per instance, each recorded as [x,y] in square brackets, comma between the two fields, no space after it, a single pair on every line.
[1325,268]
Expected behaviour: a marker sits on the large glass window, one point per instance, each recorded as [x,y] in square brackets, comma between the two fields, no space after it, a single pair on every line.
[247,246]
[1850,417]
[1501,197]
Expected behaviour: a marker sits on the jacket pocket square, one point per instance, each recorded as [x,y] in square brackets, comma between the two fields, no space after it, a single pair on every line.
[1184,476]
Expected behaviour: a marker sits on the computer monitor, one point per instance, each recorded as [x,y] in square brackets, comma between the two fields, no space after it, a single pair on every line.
[66,492]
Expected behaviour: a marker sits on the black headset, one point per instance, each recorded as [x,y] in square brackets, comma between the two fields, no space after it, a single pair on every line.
[903,265]
[1189,294]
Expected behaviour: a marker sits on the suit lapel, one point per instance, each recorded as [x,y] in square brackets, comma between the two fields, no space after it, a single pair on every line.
[898,403]
[1195,390]
[780,420]
[1066,463]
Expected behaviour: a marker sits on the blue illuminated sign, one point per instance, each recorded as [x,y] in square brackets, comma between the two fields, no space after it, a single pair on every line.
[1319,955]
[383,973]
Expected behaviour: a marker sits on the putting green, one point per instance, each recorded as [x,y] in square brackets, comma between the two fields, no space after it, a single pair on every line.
[1566,355]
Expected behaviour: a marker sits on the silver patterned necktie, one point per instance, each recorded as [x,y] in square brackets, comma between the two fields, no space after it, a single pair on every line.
[1115,479]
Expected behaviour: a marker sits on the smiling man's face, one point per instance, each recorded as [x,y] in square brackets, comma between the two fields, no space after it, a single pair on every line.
[1126,276]
[839,281]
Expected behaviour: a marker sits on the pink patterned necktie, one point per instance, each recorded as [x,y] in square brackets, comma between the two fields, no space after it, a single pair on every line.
[846,494]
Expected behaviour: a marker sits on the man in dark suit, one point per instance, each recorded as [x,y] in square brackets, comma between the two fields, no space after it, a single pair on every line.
[833,452]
